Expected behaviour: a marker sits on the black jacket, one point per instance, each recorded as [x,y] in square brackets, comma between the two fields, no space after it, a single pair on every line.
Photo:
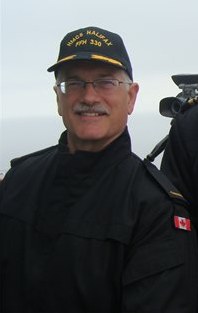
[92,232]
[180,160]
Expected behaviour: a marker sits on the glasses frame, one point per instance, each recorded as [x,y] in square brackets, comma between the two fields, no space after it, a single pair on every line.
[98,85]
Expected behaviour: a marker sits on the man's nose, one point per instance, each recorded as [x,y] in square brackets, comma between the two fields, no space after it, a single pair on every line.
[89,92]
[89,84]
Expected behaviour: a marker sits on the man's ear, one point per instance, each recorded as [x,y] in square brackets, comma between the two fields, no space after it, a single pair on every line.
[133,91]
[59,107]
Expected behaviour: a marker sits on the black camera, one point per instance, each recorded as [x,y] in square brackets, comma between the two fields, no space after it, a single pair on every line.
[171,106]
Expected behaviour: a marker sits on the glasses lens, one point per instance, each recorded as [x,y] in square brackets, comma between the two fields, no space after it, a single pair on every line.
[62,87]
[74,84]
[106,84]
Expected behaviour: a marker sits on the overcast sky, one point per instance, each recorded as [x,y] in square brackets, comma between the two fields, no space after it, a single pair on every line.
[161,39]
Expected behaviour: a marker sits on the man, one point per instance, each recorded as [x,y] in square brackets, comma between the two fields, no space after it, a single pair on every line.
[180,159]
[86,226]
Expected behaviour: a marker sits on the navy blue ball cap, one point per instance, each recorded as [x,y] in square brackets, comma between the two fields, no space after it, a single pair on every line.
[96,44]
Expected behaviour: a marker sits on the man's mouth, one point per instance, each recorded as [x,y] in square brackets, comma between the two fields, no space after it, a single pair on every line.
[91,111]
[91,114]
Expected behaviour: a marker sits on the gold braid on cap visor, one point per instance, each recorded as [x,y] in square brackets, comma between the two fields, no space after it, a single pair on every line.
[94,57]
[100,57]
[70,57]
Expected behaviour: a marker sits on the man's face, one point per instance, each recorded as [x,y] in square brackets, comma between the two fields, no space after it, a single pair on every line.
[94,117]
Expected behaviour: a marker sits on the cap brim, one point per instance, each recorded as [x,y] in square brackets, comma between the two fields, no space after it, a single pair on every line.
[87,56]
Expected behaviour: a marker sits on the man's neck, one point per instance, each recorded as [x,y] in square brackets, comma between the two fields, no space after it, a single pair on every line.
[88,145]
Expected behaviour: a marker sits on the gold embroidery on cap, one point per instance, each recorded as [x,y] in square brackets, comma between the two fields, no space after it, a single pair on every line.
[89,37]
[74,39]
[102,58]
[100,36]
[81,42]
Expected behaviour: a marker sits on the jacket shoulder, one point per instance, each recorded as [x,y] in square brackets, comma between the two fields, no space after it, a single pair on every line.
[163,181]
[14,162]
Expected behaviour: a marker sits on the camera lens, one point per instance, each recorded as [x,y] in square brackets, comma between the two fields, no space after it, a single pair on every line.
[176,107]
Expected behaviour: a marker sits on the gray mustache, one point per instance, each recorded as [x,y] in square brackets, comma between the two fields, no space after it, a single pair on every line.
[86,108]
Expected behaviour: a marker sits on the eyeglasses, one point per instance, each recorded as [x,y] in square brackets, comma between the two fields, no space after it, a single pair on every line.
[100,85]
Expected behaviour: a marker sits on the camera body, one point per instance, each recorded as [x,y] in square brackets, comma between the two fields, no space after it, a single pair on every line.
[171,106]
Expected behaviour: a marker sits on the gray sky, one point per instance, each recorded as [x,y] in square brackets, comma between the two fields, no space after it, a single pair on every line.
[161,39]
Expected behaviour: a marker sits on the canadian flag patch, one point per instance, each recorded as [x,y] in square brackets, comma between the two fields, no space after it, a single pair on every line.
[182,223]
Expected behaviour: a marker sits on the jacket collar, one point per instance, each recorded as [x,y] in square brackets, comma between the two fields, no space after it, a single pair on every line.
[119,149]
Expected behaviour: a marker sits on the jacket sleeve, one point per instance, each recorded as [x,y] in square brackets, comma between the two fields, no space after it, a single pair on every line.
[161,269]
